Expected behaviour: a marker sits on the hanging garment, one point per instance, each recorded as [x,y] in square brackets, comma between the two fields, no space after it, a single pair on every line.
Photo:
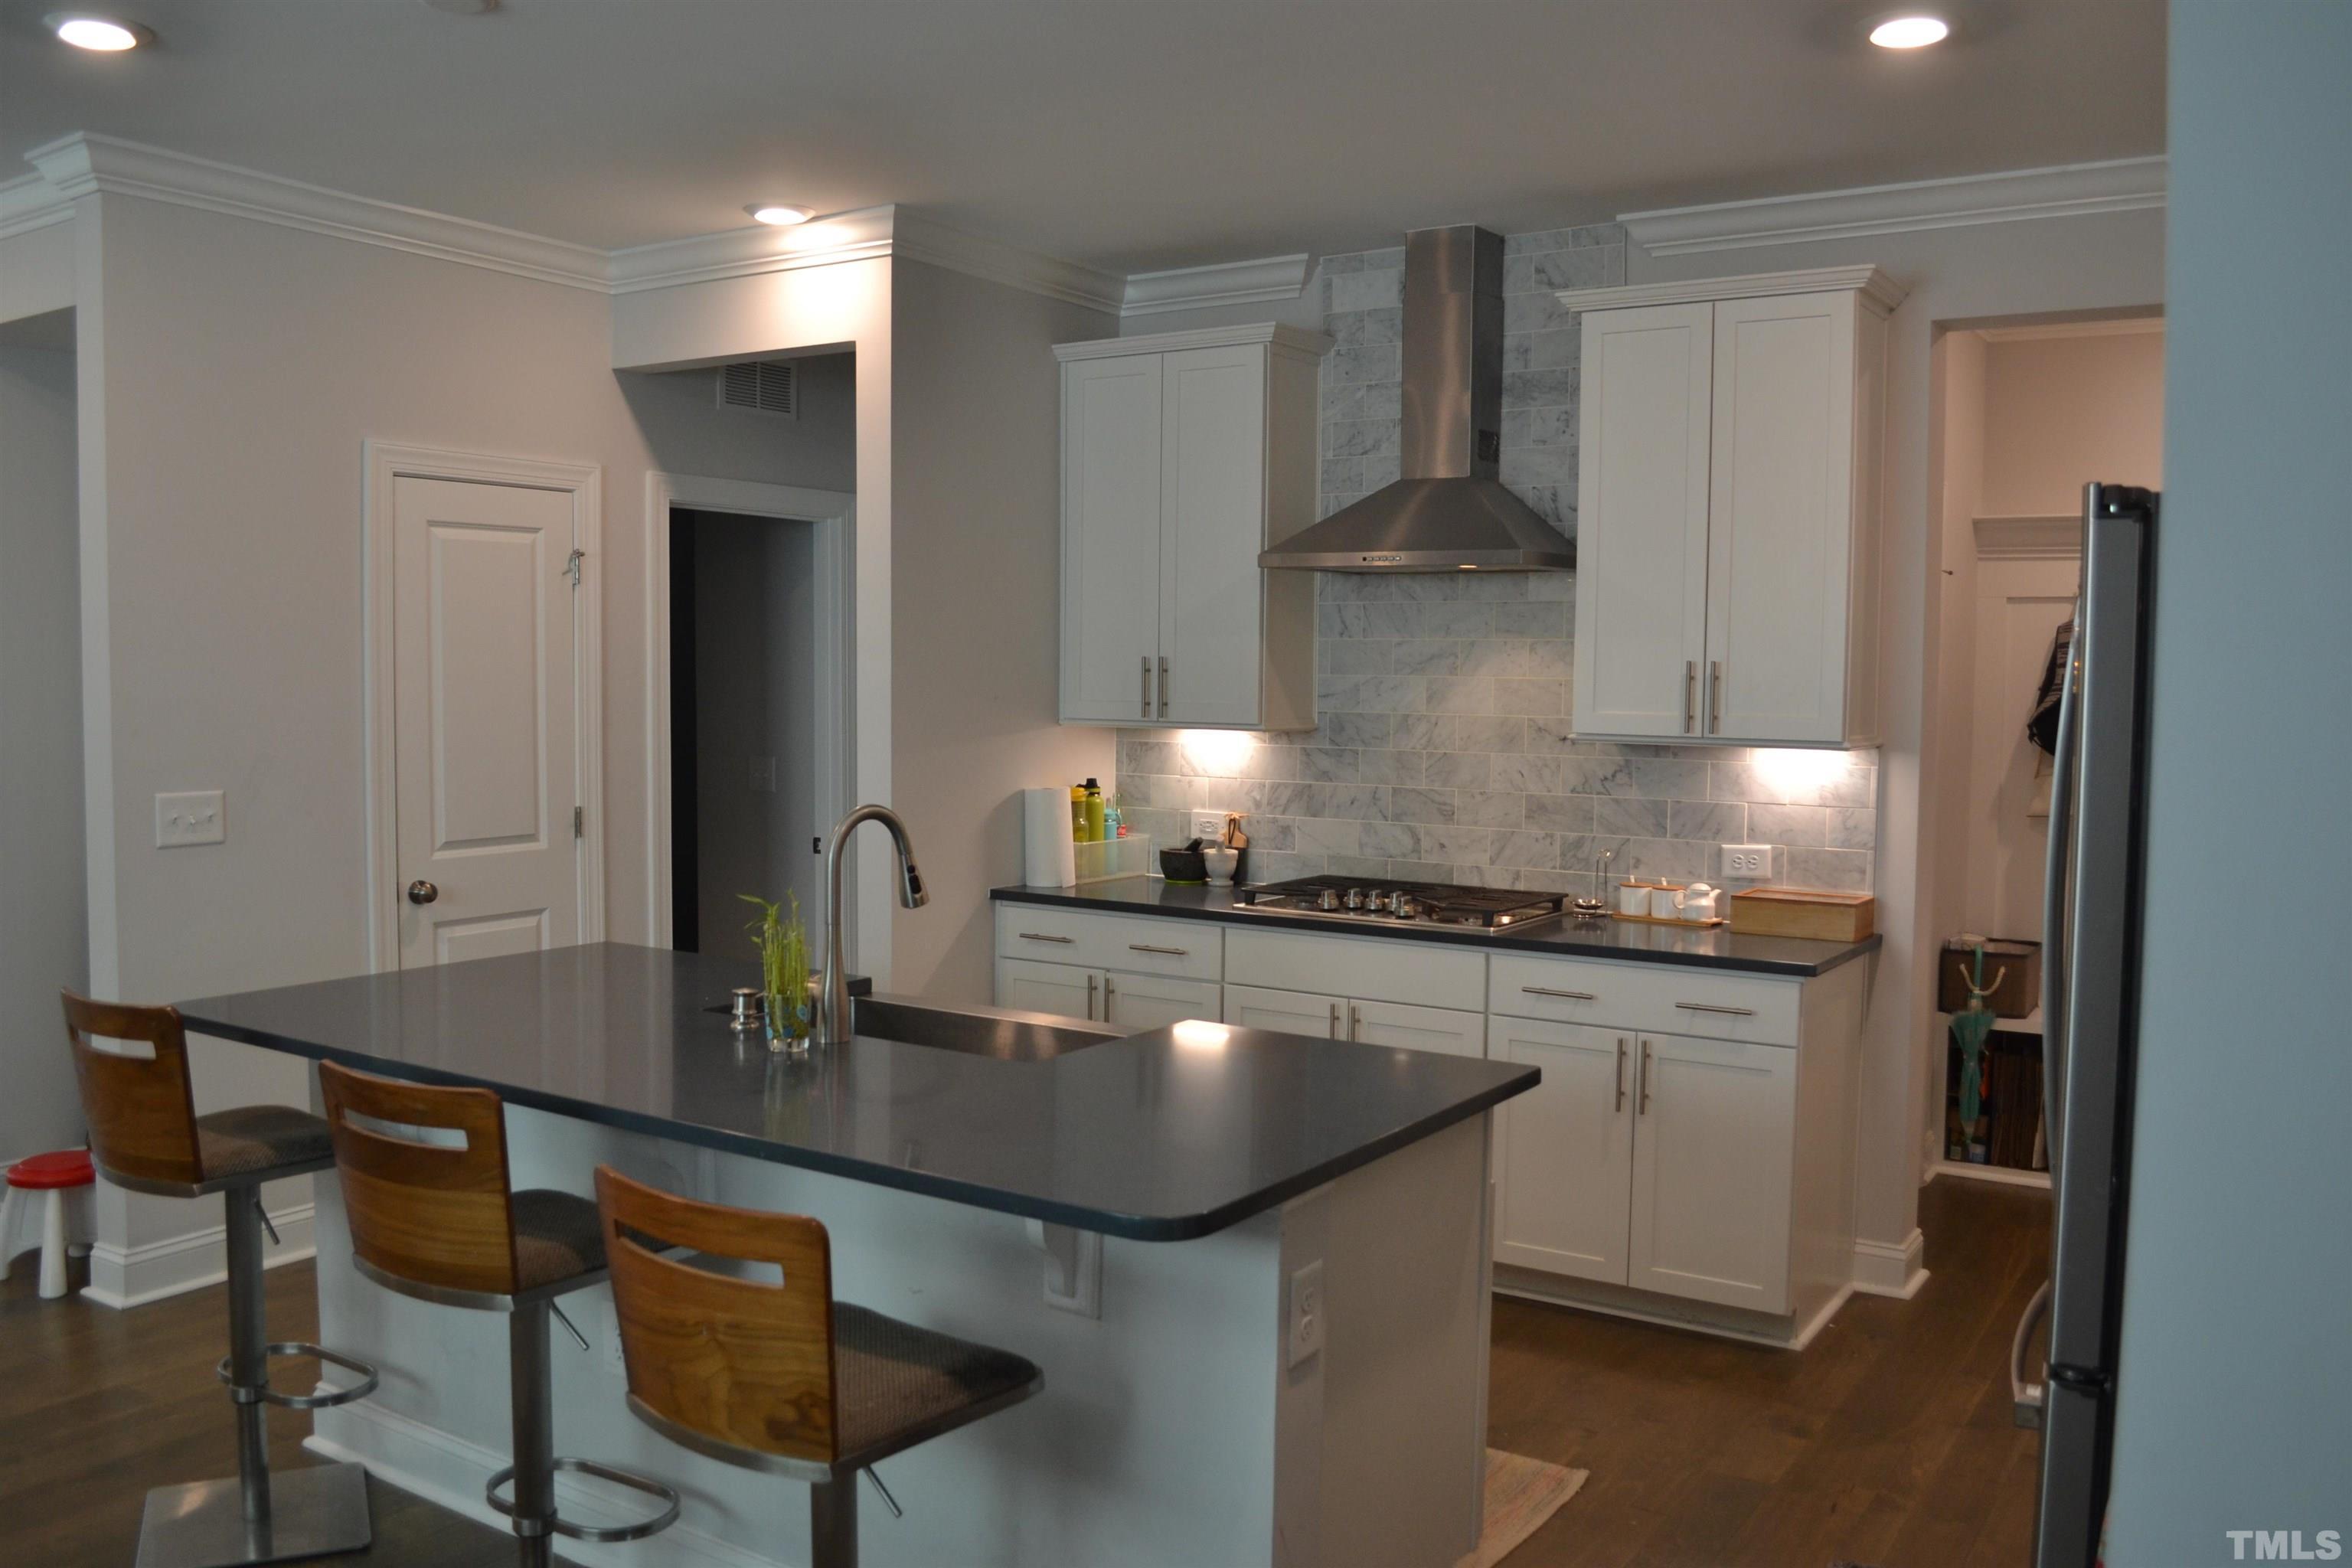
[2042,724]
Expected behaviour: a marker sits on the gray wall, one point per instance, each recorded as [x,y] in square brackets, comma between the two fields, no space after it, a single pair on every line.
[43,903]
[2235,1410]
[1443,752]
[755,696]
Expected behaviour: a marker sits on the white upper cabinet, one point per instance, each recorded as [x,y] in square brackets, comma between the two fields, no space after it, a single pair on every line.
[1727,508]
[1183,455]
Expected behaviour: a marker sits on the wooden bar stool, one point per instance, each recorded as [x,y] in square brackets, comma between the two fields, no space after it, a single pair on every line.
[439,1221]
[146,1136]
[779,1377]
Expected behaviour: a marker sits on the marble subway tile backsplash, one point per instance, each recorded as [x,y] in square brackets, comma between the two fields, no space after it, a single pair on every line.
[1443,752]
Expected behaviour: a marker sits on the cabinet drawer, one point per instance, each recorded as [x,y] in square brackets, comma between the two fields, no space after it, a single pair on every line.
[1372,969]
[1667,999]
[1192,949]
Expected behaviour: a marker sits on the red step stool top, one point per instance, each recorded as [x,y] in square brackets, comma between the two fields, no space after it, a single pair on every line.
[62,1168]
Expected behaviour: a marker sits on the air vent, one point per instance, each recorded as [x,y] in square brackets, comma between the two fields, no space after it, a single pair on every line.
[769,387]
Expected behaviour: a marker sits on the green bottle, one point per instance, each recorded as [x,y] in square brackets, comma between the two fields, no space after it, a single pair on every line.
[1093,832]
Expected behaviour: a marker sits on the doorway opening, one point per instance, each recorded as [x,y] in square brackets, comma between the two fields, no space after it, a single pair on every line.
[749,759]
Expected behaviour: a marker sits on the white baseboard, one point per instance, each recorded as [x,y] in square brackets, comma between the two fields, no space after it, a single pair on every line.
[444,1469]
[133,1277]
[1890,1268]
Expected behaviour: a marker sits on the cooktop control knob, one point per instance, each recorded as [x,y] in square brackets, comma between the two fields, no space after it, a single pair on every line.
[1404,908]
[1328,899]
[1355,898]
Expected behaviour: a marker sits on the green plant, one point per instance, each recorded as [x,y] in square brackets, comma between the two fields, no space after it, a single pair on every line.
[783,962]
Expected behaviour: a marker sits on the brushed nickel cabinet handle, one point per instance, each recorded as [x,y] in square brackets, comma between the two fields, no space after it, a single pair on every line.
[1690,695]
[1711,1007]
[1090,998]
[1355,1023]
[1109,996]
[1565,996]
[1715,697]
[1335,1020]
[1643,1107]
[1146,662]
[1621,1072]
[1169,951]
[1039,936]
[1163,686]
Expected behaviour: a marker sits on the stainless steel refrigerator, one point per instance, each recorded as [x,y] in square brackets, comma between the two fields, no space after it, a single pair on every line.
[2090,994]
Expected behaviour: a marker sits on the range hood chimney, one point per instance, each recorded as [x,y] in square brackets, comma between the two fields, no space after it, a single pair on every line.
[1448,513]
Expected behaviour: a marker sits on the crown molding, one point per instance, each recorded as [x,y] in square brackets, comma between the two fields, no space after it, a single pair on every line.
[85,163]
[1282,338]
[2058,538]
[2067,190]
[29,202]
[1222,283]
[1881,292]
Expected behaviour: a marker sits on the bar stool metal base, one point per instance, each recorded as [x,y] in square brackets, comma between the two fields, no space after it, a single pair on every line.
[311,1511]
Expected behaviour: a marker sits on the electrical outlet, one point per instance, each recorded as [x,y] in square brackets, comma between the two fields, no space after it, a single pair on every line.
[1209,824]
[1749,861]
[1306,1333]
[195,817]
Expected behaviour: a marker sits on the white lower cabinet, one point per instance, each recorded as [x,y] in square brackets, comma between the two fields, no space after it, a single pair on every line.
[1134,1002]
[1564,1150]
[1445,1029]
[1065,989]
[1139,1001]
[1715,1123]
[1287,1012]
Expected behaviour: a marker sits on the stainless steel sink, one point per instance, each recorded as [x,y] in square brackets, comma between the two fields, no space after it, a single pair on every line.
[997,1032]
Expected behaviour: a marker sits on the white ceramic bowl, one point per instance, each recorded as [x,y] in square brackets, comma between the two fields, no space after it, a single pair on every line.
[1221,862]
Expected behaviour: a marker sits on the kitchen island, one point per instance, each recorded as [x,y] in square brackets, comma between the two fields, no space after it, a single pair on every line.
[1252,1266]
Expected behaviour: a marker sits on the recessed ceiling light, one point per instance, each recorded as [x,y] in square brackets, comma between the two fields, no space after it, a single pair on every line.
[1910,32]
[105,34]
[779,214]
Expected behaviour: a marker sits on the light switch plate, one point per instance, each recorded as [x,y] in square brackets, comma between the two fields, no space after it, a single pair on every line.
[194,817]
[1305,1337]
[1749,862]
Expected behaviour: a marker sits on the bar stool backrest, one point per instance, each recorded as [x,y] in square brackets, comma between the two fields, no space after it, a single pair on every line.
[140,1111]
[743,1362]
[430,1214]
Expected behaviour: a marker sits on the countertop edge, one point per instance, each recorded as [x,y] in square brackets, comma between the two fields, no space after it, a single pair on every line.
[1130,1227]
[1485,940]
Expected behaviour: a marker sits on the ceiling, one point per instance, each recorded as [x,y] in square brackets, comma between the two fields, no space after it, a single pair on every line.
[1121,135]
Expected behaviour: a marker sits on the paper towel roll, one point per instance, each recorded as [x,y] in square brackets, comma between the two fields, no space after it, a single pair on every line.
[1049,854]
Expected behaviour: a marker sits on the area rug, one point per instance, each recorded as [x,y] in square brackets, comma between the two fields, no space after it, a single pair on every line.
[1521,1493]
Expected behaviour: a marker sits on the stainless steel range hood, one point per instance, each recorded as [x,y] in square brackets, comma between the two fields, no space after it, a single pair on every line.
[1448,513]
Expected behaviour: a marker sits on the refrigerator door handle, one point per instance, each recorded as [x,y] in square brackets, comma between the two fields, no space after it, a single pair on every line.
[2025,1397]
[2056,887]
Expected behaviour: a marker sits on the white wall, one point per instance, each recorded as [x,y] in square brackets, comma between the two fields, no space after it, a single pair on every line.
[44,906]
[975,603]
[1970,275]
[2233,1411]
[2061,410]
[754,680]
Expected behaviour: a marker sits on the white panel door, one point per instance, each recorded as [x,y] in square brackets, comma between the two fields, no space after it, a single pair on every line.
[1781,518]
[484,723]
[1111,537]
[1288,1012]
[1418,1028]
[1141,1002]
[1065,990]
[1564,1150]
[1714,1122]
[1642,520]
[1213,524]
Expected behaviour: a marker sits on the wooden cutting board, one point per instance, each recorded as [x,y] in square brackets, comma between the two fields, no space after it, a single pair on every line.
[1802,911]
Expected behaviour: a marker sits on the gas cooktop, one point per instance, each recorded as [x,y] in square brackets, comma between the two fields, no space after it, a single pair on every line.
[1371,900]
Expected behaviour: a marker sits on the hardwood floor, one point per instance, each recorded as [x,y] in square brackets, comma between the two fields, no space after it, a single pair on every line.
[1887,1441]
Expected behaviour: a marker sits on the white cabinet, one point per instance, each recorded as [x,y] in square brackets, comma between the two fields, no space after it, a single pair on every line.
[1183,455]
[1564,1150]
[1715,1125]
[1141,1002]
[1286,1012]
[1133,972]
[1727,508]
[1068,990]
[1443,1029]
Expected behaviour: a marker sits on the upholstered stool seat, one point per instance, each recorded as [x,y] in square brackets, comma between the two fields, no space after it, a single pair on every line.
[52,1176]
[146,1136]
[441,1222]
[891,1378]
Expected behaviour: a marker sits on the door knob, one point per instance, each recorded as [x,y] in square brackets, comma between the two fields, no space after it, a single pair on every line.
[423,893]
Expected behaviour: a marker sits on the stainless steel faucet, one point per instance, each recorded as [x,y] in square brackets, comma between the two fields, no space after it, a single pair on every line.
[833,1017]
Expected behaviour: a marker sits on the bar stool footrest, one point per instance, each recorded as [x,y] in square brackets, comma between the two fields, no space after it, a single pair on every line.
[564,1527]
[367,1374]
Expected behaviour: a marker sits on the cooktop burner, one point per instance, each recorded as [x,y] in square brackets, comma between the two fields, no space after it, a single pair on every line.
[1370,899]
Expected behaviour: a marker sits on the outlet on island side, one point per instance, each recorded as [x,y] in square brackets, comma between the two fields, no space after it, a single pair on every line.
[1748,861]
[1208,825]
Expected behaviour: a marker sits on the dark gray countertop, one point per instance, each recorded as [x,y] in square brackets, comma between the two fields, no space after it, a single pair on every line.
[1629,941]
[1151,1137]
